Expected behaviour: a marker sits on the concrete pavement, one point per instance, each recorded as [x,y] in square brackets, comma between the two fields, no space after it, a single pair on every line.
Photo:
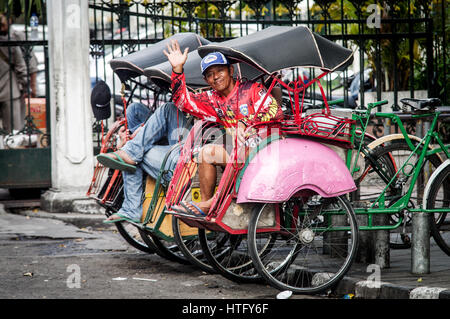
[43,257]
[362,281]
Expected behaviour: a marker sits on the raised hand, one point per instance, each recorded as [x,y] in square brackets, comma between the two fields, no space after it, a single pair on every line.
[176,58]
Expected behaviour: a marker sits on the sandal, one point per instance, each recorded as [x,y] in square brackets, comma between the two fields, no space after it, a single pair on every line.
[118,163]
[120,219]
[187,211]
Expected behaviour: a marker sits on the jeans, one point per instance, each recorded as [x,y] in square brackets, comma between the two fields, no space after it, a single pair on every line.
[137,114]
[145,150]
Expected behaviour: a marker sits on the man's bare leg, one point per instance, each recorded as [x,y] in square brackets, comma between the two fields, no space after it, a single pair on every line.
[210,156]
[207,175]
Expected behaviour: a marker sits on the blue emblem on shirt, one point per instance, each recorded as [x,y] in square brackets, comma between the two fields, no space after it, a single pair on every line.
[243,109]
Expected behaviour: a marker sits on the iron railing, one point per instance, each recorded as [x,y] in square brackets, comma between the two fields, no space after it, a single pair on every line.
[400,45]
[404,50]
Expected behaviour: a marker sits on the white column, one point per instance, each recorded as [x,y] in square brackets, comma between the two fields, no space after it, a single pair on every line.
[71,131]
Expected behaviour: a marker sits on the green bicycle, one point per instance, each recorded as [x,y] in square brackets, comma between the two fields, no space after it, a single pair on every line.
[410,172]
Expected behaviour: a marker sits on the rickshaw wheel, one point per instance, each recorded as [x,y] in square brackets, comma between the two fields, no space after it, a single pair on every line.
[165,249]
[191,248]
[232,259]
[308,256]
[132,236]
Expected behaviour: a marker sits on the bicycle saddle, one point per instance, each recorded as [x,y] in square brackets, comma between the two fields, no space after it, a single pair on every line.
[421,104]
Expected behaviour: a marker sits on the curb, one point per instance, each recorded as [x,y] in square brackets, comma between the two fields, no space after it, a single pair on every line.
[80,220]
[363,289]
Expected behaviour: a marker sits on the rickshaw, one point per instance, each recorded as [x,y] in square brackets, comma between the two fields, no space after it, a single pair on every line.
[107,184]
[287,196]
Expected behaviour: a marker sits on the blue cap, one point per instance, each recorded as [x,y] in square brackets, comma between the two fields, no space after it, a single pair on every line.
[213,58]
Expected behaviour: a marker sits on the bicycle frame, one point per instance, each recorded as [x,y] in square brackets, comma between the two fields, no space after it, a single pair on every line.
[378,206]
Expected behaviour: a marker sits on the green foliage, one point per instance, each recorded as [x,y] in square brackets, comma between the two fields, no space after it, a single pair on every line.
[202,10]
[210,11]
[16,8]
[442,32]
[401,48]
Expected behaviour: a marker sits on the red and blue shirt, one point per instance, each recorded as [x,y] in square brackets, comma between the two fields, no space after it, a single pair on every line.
[246,103]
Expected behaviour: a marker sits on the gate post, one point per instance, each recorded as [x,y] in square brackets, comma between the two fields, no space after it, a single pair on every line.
[420,241]
[70,113]
[420,244]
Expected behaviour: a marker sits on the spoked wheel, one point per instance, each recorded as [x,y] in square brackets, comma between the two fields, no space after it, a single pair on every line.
[131,234]
[439,197]
[191,248]
[231,259]
[164,248]
[315,246]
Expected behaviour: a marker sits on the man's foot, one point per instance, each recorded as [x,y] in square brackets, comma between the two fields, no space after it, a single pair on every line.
[190,209]
[204,206]
[123,155]
[117,160]
[116,217]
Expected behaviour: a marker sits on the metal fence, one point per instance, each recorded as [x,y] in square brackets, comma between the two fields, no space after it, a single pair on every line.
[29,71]
[25,125]
[400,46]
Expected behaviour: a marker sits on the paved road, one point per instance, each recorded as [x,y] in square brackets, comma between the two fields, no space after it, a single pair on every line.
[47,258]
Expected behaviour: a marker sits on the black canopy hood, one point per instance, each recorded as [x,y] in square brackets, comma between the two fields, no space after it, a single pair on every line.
[281,47]
[133,65]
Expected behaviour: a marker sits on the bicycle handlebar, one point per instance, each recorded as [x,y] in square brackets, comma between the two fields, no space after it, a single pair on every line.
[330,103]
[334,102]
[375,104]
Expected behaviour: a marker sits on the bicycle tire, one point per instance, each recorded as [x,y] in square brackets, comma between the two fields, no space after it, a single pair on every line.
[165,249]
[398,150]
[232,261]
[301,260]
[439,195]
[131,234]
[191,248]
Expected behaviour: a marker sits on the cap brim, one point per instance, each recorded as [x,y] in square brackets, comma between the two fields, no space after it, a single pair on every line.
[214,65]
[102,113]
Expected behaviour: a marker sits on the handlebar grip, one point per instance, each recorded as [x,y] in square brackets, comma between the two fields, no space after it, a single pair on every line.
[375,104]
[334,102]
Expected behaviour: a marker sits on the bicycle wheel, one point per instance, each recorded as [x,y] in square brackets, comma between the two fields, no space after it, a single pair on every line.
[316,244]
[439,197]
[399,152]
[190,247]
[231,259]
[164,248]
[131,234]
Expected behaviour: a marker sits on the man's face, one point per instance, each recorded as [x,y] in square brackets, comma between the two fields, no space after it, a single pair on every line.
[220,78]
